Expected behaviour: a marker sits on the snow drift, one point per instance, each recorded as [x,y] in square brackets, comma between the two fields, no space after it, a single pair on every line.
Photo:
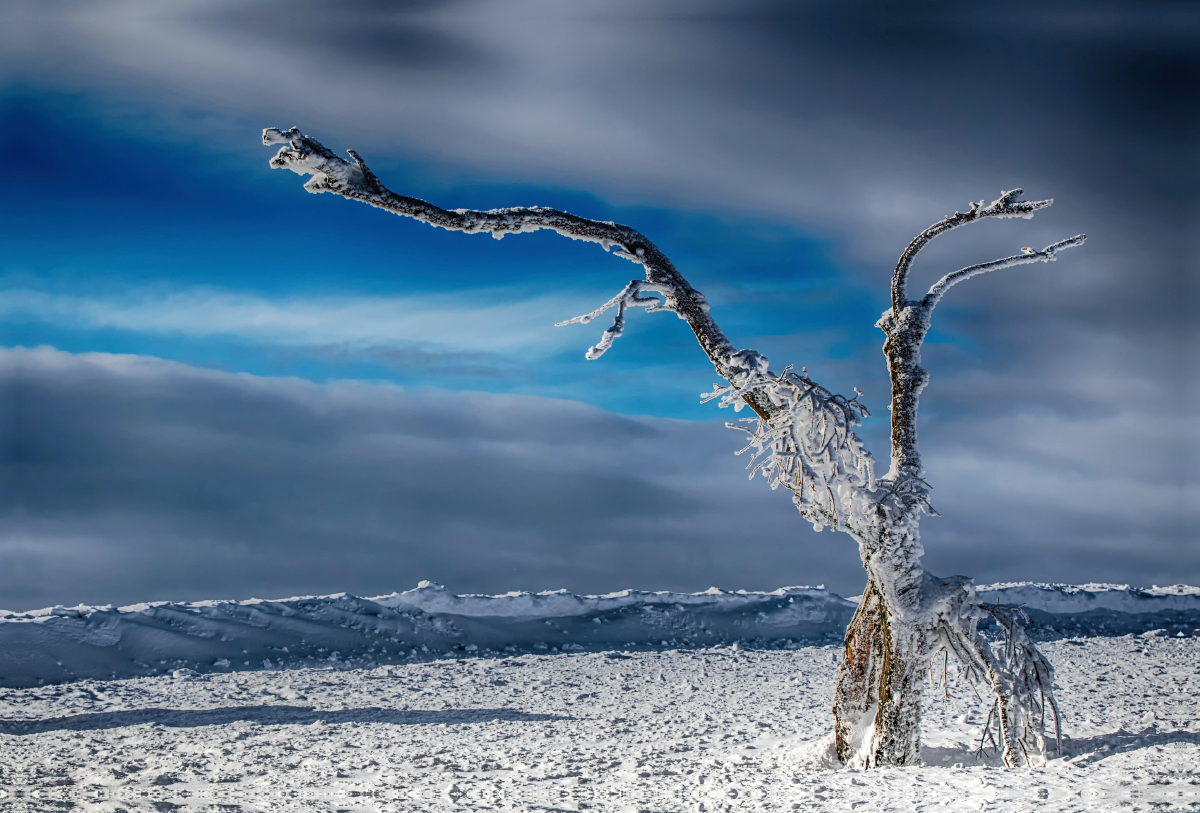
[62,644]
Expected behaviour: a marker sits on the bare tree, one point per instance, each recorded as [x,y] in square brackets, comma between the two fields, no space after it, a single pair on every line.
[802,438]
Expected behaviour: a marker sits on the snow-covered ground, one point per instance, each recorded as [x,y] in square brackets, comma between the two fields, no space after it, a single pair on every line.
[742,725]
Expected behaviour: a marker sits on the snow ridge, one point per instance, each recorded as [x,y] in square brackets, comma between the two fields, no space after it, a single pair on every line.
[64,644]
[1082,598]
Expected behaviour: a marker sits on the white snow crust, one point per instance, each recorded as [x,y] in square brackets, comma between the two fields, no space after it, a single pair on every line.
[72,643]
[65,644]
[715,728]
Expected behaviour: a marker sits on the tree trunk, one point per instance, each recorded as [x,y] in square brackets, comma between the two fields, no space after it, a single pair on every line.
[877,704]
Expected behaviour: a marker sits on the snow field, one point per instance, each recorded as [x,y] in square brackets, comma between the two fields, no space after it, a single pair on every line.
[720,728]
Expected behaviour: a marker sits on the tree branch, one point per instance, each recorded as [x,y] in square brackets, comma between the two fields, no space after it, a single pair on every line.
[939,288]
[1007,205]
[805,438]
[355,181]
[907,321]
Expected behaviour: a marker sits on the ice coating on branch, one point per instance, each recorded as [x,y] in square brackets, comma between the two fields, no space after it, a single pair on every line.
[748,363]
[1022,681]
[354,180]
[1018,677]
[328,170]
[1027,255]
[1008,205]
[631,296]
[808,446]
[331,173]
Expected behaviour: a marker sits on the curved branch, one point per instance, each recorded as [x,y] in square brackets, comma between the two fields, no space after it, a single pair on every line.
[1007,205]
[907,321]
[939,288]
[355,181]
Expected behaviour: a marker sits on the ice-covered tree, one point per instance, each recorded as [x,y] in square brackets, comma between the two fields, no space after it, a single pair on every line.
[802,437]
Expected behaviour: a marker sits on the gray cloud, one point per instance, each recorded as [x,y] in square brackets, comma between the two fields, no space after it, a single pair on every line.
[858,120]
[129,478]
[362,35]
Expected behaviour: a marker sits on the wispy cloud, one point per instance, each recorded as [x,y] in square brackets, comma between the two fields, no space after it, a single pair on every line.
[492,322]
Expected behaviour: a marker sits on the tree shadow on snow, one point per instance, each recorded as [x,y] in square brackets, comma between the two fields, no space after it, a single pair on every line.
[1088,750]
[266,715]
[1081,750]
[948,757]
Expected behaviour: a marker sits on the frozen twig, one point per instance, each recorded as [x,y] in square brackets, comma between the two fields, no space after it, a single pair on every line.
[1018,677]
[630,297]
[1028,256]
[809,447]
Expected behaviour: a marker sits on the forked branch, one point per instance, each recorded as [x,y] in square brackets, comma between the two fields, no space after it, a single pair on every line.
[1007,205]
[907,321]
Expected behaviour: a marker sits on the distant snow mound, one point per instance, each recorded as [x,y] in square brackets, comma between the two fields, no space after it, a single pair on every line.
[1076,598]
[63,644]
[1106,609]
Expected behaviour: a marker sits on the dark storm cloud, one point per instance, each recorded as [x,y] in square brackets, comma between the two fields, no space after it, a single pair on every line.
[1056,427]
[358,35]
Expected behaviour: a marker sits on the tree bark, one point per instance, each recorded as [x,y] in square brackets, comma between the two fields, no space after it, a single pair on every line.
[877,702]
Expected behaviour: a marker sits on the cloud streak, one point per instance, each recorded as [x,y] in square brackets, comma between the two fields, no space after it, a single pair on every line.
[130,477]
[475,322]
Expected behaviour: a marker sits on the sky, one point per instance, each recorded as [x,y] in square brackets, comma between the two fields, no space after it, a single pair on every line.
[216,385]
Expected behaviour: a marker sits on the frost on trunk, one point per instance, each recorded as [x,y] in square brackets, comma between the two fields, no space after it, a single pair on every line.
[802,438]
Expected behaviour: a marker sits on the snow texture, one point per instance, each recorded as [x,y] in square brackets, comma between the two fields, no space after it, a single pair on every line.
[65,644]
[718,728]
